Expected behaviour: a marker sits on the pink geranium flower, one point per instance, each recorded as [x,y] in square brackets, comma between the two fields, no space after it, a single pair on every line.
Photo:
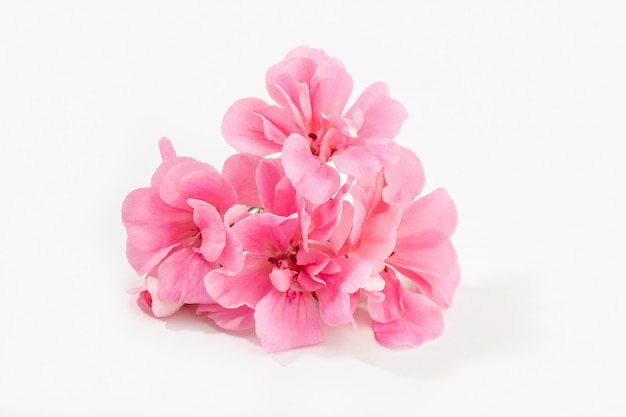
[310,127]
[416,244]
[178,230]
[286,245]
[292,277]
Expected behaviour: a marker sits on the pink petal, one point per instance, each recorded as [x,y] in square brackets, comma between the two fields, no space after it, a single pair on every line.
[244,288]
[391,307]
[365,157]
[276,193]
[153,228]
[169,188]
[382,116]
[159,307]
[304,207]
[168,164]
[181,277]
[281,279]
[378,237]
[144,262]
[232,258]
[330,89]
[167,149]
[209,187]
[421,321]
[332,140]
[235,214]
[442,295]
[288,85]
[326,217]
[429,260]
[434,211]
[286,320]
[341,233]
[277,123]
[209,221]
[266,233]
[237,319]
[335,299]
[244,130]
[347,127]
[306,282]
[313,261]
[406,179]
[240,171]
[315,181]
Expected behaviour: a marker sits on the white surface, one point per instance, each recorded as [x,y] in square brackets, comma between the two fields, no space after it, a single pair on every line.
[517,109]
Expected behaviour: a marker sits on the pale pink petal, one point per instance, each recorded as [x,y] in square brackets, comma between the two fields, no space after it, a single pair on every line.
[236,213]
[306,282]
[327,80]
[153,228]
[330,89]
[317,55]
[293,95]
[405,177]
[325,217]
[378,237]
[287,320]
[304,207]
[335,299]
[313,261]
[144,262]
[237,319]
[382,116]
[159,308]
[341,233]
[434,211]
[232,257]
[244,130]
[281,279]
[181,277]
[288,85]
[421,321]
[209,187]
[347,127]
[240,171]
[277,123]
[211,228]
[315,181]
[390,307]
[266,233]
[276,193]
[333,139]
[429,260]
[167,149]
[367,197]
[167,164]
[244,288]
[374,284]
[169,187]
[443,294]
[364,157]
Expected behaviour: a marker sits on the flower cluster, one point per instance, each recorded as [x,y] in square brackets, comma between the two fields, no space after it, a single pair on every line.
[316,216]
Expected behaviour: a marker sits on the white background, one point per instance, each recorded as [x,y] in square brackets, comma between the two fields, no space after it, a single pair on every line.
[517,108]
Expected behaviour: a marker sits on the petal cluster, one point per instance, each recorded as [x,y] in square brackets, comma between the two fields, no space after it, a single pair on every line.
[318,214]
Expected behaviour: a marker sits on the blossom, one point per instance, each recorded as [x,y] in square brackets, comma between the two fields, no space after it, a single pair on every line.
[417,244]
[310,127]
[291,269]
[178,230]
[319,211]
